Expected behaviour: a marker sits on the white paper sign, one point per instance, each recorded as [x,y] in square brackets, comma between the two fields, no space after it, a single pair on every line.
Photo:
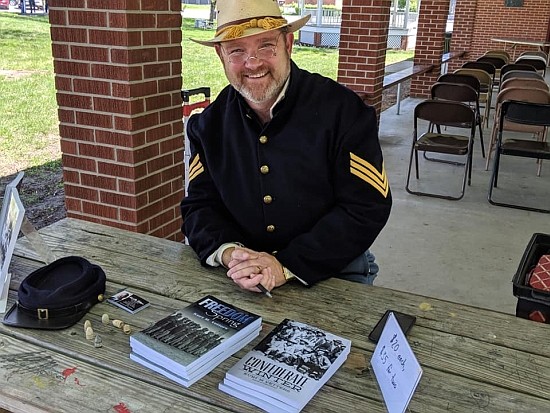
[395,367]
[11,218]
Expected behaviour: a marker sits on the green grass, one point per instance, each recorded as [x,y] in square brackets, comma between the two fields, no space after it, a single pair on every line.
[28,108]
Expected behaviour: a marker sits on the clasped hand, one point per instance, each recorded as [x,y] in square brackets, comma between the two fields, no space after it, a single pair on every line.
[248,268]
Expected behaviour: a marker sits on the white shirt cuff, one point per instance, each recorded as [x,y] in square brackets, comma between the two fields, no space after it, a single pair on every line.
[215,260]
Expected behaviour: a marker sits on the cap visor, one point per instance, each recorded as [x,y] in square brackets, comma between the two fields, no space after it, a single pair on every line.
[17,318]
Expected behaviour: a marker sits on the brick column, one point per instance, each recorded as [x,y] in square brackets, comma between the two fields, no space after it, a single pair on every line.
[363,43]
[463,31]
[430,42]
[118,78]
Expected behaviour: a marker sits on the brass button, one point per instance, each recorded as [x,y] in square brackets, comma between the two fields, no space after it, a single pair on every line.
[268,199]
[270,228]
[263,139]
[264,169]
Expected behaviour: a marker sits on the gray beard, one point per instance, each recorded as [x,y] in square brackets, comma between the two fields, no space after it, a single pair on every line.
[270,93]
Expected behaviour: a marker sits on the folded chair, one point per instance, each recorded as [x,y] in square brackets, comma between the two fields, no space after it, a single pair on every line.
[525,113]
[498,53]
[525,74]
[516,66]
[531,95]
[486,66]
[445,113]
[457,92]
[497,61]
[525,82]
[485,91]
[537,62]
[469,80]
[538,53]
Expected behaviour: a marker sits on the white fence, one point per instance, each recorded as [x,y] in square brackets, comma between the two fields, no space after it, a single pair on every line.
[331,17]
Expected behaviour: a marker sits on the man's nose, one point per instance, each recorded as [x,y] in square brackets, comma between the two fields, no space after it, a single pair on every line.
[253,61]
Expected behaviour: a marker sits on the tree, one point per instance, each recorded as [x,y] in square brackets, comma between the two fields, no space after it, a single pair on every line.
[212,10]
[413,5]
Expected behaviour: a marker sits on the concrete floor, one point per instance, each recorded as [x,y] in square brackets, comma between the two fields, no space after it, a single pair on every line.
[464,251]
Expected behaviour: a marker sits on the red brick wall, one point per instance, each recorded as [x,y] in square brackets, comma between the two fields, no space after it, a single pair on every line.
[430,41]
[493,19]
[363,40]
[463,29]
[118,79]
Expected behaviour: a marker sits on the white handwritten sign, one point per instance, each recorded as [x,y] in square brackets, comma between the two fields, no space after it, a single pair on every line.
[395,367]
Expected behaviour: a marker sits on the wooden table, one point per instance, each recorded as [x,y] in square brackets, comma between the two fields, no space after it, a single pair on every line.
[474,360]
[514,42]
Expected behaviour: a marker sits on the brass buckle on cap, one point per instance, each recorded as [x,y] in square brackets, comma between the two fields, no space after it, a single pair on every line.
[42,313]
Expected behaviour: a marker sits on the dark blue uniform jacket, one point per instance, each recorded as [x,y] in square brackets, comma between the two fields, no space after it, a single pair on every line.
[309,186]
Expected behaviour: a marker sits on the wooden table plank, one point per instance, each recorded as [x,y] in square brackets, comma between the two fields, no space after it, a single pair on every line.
[60,384]
[113,357]
[480,360]
[466,321]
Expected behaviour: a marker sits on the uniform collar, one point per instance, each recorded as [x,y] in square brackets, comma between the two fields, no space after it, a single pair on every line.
[280,97]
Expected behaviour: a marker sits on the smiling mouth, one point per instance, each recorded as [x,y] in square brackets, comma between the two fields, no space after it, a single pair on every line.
[256,75]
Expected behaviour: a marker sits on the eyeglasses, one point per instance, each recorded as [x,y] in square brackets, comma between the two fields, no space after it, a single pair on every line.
[263,53]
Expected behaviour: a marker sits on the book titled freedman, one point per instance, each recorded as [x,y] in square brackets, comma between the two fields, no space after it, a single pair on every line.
[285,370]
[190,342]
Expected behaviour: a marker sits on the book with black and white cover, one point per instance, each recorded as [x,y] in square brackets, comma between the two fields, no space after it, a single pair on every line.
[201,371]
[188,339]
[128,301]
[287,368]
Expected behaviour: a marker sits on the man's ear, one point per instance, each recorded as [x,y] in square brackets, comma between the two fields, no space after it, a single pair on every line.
[218,51]
[289,42]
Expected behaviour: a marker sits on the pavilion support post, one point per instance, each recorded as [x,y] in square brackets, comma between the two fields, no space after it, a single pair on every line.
[118,80]
[463,30]
[363,43]
[430,43]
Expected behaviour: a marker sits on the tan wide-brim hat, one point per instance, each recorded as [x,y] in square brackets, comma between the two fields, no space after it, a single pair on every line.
[244,18]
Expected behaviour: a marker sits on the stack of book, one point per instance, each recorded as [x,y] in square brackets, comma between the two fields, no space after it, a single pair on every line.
[285,370]
[189,343]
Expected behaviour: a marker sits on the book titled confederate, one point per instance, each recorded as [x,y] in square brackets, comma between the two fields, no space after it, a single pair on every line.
[190,342]
[285,370]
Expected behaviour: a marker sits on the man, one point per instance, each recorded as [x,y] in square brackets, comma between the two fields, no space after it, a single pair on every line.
[286,177]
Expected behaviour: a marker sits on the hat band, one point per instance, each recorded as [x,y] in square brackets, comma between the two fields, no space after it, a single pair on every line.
[47,313]
[237,30]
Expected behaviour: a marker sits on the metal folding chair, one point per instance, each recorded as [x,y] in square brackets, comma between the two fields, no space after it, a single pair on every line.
[445,113]
[525,113]
[524,74]
[465,79]
[520,94]
[460,93]
[486,89]
[188,109]
[538,63]
[525,83]
[538,53]
[515,66]
[503,54]
[497,60]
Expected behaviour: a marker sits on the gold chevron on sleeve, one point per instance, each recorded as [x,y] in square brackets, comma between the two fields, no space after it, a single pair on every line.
[368,173]
[195,168]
